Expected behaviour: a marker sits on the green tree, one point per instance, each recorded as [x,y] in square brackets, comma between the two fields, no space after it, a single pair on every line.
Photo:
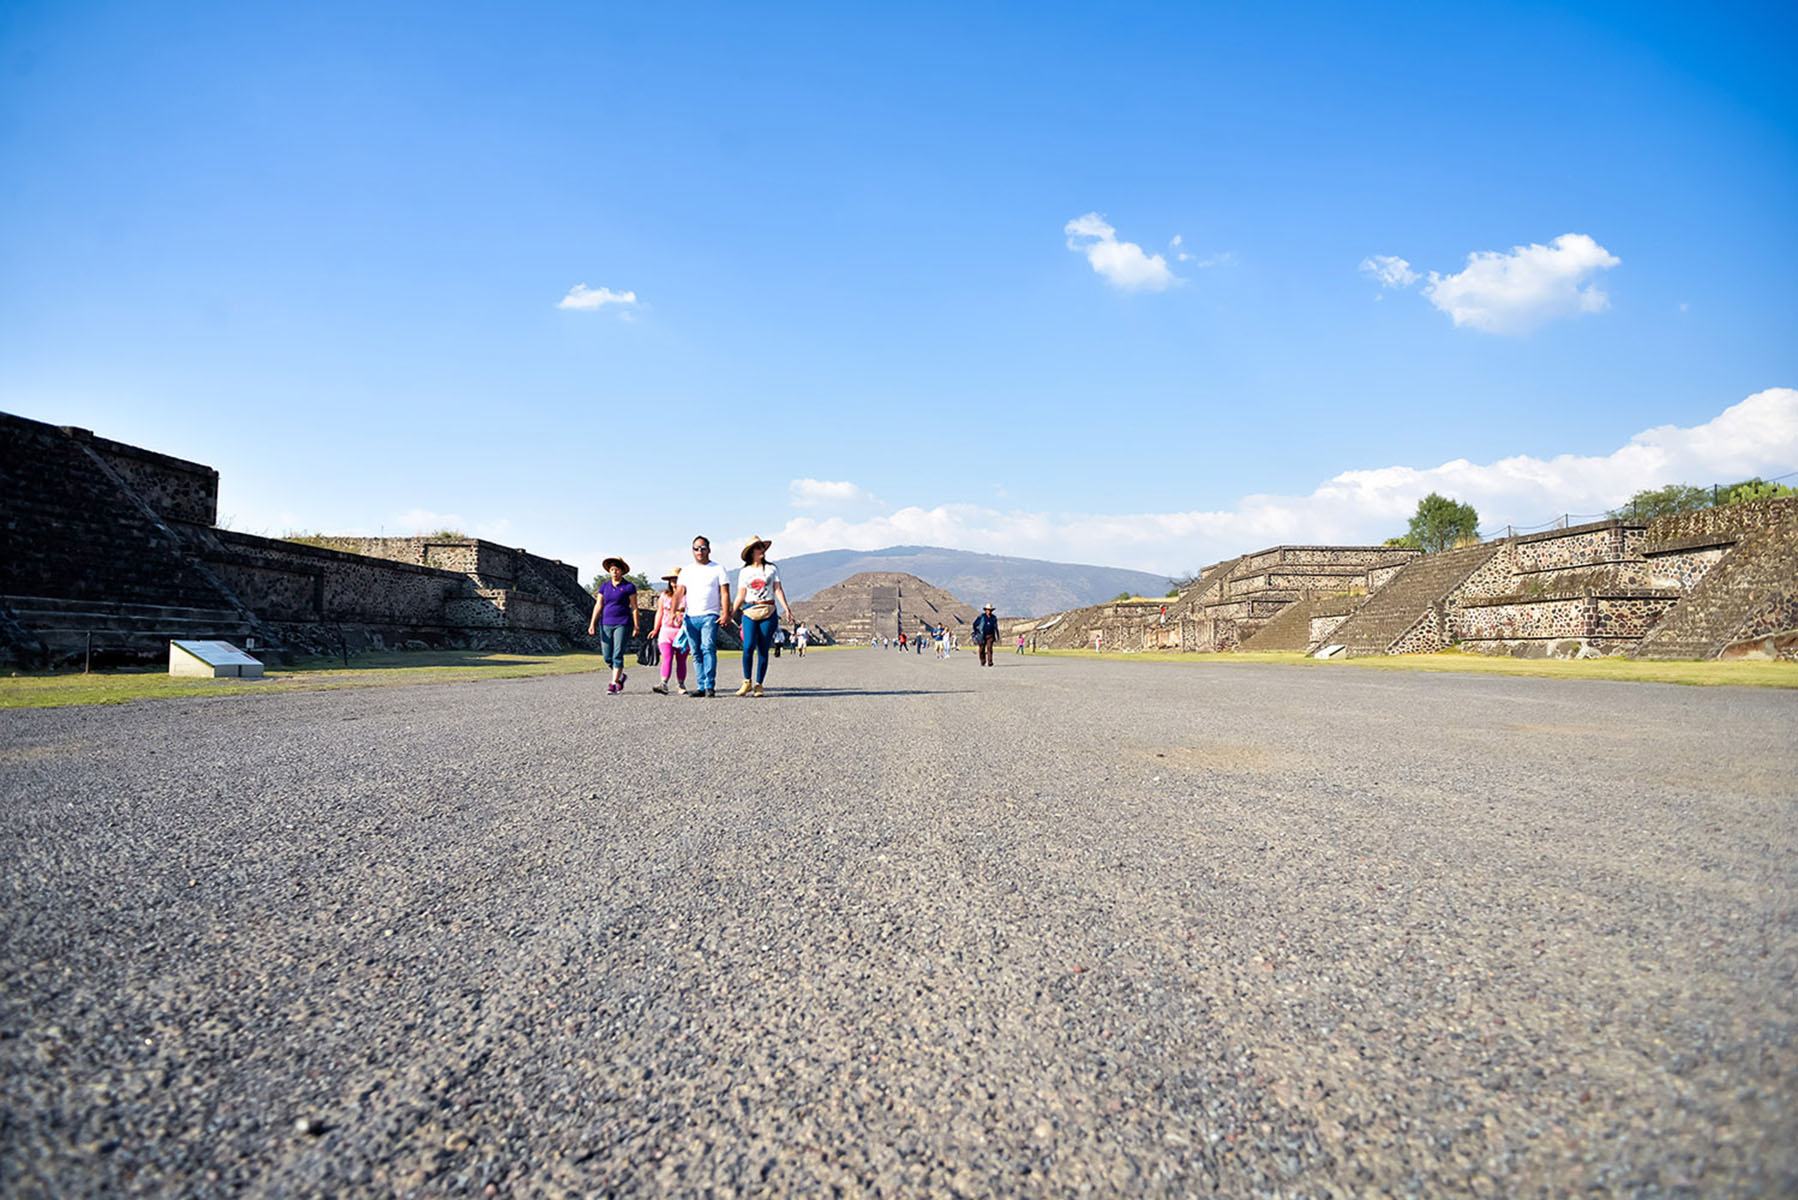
[1650,503]
[1441,523]
[1754,489]
[1120,596]
[1404,541]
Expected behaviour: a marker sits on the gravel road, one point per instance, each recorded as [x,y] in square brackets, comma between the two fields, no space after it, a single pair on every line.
[906,928]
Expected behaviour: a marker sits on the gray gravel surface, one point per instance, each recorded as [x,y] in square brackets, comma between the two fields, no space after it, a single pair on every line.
[905,927]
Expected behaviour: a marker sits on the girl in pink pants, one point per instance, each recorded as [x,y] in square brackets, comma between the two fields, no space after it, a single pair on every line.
[669,619]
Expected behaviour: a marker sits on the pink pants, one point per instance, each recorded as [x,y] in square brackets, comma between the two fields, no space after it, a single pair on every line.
[669,657]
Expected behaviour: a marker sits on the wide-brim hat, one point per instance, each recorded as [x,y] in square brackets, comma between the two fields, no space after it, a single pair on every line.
[988,608]
[671,573]
[752,543]
[622,565]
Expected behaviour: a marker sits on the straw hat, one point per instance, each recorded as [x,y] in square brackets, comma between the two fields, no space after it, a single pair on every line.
[622,565]
[672,573]
[989,608]
[752,543]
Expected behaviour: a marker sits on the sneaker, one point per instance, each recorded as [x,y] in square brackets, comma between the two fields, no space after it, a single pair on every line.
[745,689]
[660,689]
[758,689]
[682,689]
[697,693]
[621,680]
[711,692]
[611,689]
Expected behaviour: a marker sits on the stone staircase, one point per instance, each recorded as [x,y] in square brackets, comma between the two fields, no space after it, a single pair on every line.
[1755,583]
[67,629]
[1408,598]
[1289,631]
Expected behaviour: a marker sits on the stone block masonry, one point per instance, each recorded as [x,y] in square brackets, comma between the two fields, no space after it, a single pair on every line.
[118,542]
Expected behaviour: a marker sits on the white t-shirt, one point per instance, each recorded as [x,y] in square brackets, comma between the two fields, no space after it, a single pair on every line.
[757,583]
[702,581]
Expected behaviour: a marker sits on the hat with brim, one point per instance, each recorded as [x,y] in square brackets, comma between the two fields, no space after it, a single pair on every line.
[752,543]
[622,565]
[673,573]
[988,608]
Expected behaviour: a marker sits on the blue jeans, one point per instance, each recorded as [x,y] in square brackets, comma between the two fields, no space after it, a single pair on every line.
[702,632]
[757,637]
[612,639]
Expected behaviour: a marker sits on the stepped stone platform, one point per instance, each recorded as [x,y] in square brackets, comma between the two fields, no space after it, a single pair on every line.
[1744,599]
[114,546]
[883,604]
[1410,611]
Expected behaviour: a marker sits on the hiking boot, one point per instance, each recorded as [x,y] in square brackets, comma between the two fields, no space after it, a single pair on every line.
[758,689]
[744,690]
[660,689]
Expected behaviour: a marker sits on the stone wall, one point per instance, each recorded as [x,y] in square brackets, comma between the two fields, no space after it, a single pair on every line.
[1683,568]
[1731,520]
[298,582]
[1588,622]
[1576,546]
[177,490]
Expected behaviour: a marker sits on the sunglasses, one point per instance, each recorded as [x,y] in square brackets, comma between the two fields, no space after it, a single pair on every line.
[702,546]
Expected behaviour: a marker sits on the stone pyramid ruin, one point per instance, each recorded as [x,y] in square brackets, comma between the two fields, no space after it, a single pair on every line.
[883,604]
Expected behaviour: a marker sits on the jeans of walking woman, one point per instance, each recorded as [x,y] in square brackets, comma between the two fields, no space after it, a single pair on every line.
[612,640]
[758,636]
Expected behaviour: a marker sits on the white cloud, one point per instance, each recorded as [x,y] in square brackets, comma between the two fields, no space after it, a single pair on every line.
[1390,270]
[1757,436]
[580,296]
[1515,292]
[807,493]
[1123,264]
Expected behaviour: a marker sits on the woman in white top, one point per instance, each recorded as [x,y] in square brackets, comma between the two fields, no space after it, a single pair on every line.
[758,587]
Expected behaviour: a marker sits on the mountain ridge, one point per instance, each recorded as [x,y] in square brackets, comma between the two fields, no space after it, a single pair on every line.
[1015,586]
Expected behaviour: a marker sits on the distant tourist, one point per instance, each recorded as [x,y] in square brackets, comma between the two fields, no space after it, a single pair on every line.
[986,634]
[671,620]
[1098,641]
[705,591]
[1020,643]
[758,587]
[615,613]
[801,636]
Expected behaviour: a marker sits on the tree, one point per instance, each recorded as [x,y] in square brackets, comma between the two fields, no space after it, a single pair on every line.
[1650,503]
[1121,596]
[1403,541]
[1755,489]
[1441,523]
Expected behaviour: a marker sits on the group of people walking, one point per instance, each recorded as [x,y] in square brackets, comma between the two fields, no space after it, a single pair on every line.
[696,600]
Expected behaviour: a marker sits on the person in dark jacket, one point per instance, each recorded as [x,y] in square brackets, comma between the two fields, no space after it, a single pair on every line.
[986,634]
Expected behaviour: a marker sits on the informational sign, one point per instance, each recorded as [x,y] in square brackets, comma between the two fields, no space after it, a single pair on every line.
[211,660]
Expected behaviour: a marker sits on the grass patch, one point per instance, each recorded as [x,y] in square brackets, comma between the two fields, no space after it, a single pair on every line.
[1627,670]
[48,690]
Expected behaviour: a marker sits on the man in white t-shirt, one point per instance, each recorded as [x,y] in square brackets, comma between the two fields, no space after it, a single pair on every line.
[705,590]
[801,636]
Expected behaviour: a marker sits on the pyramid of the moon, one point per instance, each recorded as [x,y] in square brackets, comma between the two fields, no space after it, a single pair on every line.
[883,604]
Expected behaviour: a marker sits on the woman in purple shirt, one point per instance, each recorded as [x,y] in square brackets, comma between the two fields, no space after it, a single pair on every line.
[614,612]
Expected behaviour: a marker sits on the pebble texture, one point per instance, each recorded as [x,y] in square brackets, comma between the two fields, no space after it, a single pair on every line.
[905,928]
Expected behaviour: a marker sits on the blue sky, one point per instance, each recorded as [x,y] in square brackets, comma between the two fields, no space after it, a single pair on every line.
[332,251]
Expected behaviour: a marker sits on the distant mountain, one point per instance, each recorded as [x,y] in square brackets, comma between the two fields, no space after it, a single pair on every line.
[1017,587]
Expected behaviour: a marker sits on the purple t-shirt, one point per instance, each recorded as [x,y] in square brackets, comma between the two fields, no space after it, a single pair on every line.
[618,602]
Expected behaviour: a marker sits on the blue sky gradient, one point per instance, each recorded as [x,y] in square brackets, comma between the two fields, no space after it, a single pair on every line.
[322,249]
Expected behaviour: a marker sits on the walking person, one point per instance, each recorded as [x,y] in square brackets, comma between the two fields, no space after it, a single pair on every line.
[615,612]
[705,591]
[986,634]
[800,637]
[758,587]
[1020,643]
[671,620]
